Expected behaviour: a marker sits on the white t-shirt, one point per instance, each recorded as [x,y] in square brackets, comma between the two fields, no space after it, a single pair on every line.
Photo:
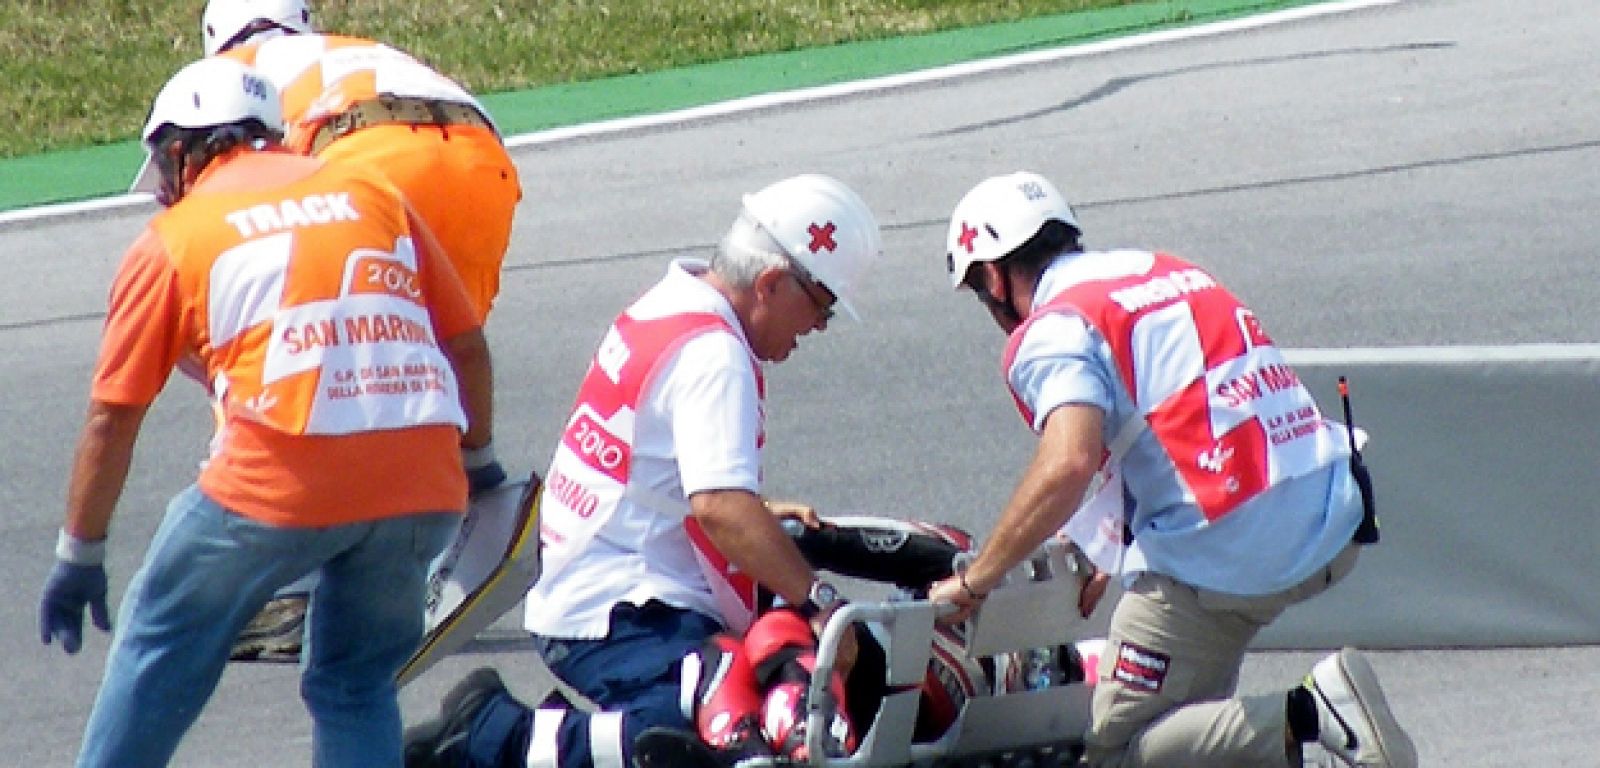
[698,428]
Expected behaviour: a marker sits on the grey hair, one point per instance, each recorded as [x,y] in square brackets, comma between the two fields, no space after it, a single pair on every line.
[746,251]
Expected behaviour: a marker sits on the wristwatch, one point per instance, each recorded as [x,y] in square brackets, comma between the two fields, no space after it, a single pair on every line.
[821,597]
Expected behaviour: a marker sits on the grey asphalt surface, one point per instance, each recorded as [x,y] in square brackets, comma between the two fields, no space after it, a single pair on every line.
[1421,174]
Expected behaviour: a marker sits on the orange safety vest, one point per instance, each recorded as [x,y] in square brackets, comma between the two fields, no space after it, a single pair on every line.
[315,320]
[320,76]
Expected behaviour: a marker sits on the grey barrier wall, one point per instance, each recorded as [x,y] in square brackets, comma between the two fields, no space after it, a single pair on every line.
[1486,463]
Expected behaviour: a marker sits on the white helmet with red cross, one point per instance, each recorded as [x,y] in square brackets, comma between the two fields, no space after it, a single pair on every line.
[223,20]
[997,216]
[824,226]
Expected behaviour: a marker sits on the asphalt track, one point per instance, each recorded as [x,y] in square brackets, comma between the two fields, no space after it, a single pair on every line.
[1423,173]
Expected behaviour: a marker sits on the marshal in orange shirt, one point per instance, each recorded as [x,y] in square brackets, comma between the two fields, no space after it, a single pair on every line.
[459,178]
[311,302]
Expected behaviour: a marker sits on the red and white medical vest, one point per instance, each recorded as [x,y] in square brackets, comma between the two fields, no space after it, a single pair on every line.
[1224,405]
[589,475]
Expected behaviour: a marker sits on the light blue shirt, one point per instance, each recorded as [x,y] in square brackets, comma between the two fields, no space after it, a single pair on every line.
[1270,543]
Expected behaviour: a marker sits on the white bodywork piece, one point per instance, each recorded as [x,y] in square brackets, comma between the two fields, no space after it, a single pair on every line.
[484,572]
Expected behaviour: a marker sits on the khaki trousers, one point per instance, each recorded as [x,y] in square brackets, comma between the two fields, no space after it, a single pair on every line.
[1167,678]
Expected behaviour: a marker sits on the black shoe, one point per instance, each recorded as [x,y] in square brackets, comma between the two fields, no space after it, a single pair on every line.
[747,744]
[442,742]
[661,747]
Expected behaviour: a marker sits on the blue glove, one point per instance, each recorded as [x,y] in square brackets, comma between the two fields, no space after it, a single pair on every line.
[485,478]
[68,589]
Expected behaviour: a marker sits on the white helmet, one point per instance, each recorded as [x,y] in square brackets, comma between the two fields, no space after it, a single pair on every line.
[997,216]
[225,19]
[212,92]
[823,226]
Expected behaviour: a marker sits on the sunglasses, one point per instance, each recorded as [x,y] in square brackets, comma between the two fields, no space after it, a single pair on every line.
[806,282]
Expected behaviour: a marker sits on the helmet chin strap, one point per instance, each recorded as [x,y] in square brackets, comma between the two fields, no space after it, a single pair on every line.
[170,190]
[1004,310]
[194,155]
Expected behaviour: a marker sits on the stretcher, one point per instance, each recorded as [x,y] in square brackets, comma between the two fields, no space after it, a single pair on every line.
[1005,721]
[996,712]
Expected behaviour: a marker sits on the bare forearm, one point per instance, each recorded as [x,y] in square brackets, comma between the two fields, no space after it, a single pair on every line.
[100,468]
[742,529]
[469,354]
[1046,497]
[1040,505]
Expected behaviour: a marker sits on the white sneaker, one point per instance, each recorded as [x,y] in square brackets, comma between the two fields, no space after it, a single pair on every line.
[1354,719]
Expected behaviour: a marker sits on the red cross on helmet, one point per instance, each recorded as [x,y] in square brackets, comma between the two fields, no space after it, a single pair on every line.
[824,226]
[999,215]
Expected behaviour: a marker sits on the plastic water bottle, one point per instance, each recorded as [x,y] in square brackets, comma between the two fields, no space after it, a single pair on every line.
[1039,670]
[1051,667]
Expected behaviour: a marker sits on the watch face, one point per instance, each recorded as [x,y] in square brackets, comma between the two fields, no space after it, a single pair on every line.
[824,594]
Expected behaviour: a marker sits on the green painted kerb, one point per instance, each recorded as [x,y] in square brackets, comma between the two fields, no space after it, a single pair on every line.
[108,169]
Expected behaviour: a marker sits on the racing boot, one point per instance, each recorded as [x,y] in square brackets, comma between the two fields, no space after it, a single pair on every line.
[783,652]
[1353,721]
[726,707]
[908,554]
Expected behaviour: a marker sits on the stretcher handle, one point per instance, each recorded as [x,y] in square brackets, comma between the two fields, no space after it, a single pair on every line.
[819,699]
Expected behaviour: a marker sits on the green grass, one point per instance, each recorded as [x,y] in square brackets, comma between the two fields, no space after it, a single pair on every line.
[76,73]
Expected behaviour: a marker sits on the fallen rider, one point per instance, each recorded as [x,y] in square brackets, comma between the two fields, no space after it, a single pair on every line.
[746,696]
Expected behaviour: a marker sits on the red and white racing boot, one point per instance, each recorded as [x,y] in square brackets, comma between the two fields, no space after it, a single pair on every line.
[726,704]
[782,651]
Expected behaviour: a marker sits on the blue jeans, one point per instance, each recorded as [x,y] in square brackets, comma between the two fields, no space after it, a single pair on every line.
[208,571]
[633,672]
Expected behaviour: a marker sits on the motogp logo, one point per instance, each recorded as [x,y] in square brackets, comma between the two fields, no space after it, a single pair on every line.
[1215,459]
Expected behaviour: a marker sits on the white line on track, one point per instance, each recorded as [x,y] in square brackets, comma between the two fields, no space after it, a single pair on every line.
[768,100]
[948,72]
[1510,353]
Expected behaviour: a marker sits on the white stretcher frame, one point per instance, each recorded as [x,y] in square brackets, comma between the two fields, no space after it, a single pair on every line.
[1035,607]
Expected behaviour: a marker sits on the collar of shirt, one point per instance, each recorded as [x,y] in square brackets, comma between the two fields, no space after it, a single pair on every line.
[692,294]
[1070,269]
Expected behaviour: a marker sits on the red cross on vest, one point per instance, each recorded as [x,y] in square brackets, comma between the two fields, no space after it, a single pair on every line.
[822,237]
[968,234]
